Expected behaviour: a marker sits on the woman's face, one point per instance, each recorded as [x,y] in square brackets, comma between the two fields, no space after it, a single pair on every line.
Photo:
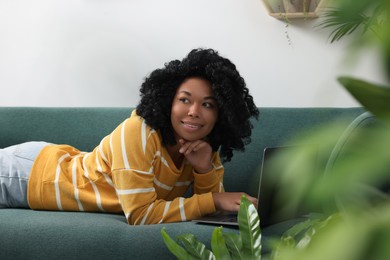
[194,110]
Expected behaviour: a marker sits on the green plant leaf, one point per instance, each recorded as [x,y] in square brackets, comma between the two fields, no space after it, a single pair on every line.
[218,244]
[234,244]
[297,229]
[303,232]
[249,225]
[175,248]
[344,25]
[374,98]
[195,247]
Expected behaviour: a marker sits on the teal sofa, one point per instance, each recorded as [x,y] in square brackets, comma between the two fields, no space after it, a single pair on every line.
[30,234]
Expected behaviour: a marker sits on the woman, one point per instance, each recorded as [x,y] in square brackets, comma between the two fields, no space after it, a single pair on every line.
[192,114]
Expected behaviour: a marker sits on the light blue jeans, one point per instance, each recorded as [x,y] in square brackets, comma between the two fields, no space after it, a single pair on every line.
[15,166]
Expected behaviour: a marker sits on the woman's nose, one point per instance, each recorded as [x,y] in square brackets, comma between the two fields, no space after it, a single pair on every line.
[193,111]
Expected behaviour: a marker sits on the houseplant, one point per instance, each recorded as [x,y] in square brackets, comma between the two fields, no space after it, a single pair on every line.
[358,225]
[355,224]
[285,9]
[295,6]
[244,245]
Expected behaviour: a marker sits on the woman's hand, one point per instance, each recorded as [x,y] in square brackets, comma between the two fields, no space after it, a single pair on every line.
[230,201]
[198,153]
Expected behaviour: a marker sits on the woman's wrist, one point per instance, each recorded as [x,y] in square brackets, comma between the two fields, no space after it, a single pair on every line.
[203,170]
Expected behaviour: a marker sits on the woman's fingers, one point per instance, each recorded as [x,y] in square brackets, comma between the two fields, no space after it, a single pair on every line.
[230,201]
[188,147]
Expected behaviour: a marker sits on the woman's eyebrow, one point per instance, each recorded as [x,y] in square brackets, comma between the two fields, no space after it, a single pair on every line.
[186,92]
[210,97]
[205,98]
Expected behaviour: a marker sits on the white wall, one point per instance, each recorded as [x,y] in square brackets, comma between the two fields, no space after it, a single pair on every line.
[97,52]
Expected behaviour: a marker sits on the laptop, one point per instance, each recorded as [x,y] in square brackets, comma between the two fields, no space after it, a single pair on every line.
[267,195]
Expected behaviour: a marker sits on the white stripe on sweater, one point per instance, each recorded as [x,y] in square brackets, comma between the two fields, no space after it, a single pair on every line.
[158,154]
[108,179]
[123,146]
[143,135]
[95,189]
[218,167]
[182,183]
[111,146]
[100,170]
[142,172]
[128,214]
[56,180]
[98,165]
[101,150]
[181,207]
[162,185]
[167,204]
[147,213]
[134,191]
[74,181]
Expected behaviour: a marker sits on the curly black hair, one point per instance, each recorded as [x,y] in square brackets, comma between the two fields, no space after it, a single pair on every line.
[233,128]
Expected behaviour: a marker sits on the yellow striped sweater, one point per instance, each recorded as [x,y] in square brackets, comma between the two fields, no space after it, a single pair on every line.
[130,171]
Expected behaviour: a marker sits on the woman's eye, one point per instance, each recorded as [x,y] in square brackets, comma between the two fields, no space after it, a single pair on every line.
[184,100]
[208,105]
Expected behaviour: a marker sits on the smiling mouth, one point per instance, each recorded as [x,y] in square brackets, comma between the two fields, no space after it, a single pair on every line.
[192,126]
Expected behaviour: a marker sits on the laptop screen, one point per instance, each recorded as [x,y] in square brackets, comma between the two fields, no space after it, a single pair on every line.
[270,206]
[273,206]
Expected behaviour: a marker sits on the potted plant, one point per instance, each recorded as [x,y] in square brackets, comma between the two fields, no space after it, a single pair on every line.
[284,9]
[296,6]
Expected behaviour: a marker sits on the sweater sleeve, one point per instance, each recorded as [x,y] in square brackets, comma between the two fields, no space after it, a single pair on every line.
[211,181]
[135,151]
[139,201]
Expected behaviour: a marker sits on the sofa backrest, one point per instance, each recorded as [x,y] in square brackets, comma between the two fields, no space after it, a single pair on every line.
[79,127]
[85,127]
[278,127]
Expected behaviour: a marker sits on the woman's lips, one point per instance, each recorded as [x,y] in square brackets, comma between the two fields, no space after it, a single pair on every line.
[192,125]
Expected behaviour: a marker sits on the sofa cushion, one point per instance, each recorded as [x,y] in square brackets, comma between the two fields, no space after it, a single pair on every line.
[75,235]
